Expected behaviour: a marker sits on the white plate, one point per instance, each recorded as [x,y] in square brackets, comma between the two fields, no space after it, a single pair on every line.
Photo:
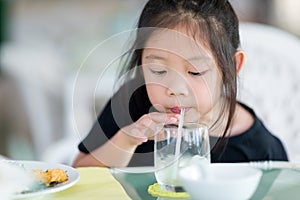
[73,177]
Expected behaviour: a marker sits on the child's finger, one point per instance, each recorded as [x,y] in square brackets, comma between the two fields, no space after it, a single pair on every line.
[164,117]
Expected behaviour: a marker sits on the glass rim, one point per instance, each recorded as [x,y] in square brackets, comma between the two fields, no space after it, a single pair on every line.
[185,124]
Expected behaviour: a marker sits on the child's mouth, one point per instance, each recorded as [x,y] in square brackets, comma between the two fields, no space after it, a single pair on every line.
[177,110]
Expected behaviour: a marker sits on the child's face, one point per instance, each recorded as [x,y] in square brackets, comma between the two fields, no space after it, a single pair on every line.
[179,72]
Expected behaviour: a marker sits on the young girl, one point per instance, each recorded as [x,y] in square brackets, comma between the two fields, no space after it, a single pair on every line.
[186,55]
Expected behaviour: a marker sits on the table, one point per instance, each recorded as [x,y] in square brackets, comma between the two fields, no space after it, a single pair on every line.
[102,183]
[136,184]
[275,184]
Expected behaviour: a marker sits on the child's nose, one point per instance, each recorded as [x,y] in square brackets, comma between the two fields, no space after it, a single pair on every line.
[178,87]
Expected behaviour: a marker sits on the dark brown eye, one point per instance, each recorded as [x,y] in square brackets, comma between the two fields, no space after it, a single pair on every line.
[158,72]
[197,73]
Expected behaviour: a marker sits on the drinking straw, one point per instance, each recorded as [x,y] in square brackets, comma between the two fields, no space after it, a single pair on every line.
[178,143]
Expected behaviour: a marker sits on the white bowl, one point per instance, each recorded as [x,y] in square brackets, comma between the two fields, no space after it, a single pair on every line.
[224,181]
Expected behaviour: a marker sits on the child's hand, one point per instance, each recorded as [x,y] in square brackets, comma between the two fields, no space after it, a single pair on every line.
[144,129]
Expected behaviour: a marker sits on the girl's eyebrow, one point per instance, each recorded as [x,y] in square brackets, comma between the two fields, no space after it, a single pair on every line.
[193,58]
[155,57]
[198,58]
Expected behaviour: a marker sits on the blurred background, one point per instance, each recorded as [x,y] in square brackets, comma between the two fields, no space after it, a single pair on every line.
[48,98]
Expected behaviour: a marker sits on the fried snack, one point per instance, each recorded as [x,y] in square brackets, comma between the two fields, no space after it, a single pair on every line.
[50,177]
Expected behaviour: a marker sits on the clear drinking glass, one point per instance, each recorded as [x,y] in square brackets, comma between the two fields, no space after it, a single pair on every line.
[174,150]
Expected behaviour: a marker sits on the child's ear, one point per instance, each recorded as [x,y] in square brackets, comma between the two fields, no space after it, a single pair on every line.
[239,60]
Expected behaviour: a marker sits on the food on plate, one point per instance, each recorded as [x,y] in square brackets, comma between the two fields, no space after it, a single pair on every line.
[50,177]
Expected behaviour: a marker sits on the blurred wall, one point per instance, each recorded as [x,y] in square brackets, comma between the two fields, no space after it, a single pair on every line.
[47,42]
[283,14]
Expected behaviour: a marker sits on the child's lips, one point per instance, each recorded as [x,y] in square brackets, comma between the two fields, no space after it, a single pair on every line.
[177,110]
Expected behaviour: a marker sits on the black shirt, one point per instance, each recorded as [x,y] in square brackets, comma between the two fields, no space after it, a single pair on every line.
[255,144]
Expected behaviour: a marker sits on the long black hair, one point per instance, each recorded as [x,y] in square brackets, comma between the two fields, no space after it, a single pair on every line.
[214,21]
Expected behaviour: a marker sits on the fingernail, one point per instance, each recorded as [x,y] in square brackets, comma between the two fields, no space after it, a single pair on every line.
[177,116]
[173,119]
[143,139]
